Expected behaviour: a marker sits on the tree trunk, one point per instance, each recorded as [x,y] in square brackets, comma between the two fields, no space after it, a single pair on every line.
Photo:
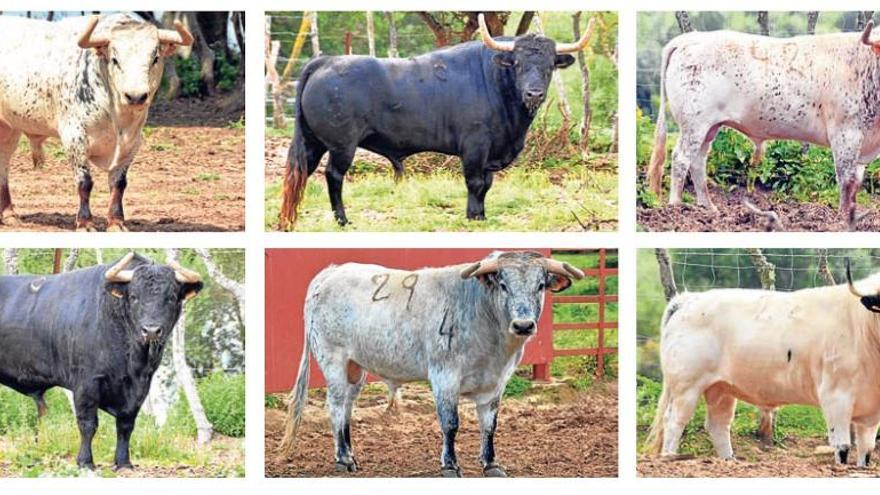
[313,34]
[371,33]
[70,261]
[526,20]
[441,37]
[586,119]
[766,270]
[764,22]
[10,260]
[666,276]
[812,19]
[184,373]
[305,27]
[50,16]
[204,54]
[238,26]
[218,277]
[824,271]
[99,256]
[274,81]
[564,107]
[863,18]
[392,35]
[684,21]
[173,89]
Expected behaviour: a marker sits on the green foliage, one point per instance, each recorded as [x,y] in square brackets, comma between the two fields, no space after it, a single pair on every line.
[273,401]
[223,397]
[226,71]
[188,71]
[517,386]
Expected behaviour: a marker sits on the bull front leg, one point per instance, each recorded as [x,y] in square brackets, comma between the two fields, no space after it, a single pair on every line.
[866,440]
[446,400]
[478,180]
[73,138]
[124,429]
[87,421]
[837,407]
[115,214]
[488,415]
[8,144]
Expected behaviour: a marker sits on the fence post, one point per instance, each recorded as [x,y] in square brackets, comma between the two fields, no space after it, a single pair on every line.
[600,343]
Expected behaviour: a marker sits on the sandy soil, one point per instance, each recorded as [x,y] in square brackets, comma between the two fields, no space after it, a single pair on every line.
[734,216]
[188,176]
[556,432]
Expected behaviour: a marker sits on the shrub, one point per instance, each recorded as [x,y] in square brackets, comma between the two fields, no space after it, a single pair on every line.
[223,397]
[517,386]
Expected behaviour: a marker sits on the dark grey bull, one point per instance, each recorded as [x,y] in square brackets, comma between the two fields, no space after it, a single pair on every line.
[475,100]
[99,332]
[463,328]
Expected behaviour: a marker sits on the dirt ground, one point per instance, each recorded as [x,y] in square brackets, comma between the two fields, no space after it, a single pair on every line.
[187,177]
[734,216]
[795,458]
[553,432]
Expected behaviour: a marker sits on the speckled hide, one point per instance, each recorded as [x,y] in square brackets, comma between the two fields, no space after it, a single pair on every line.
[94,99]
[816,347]
[463,332]
[817,89]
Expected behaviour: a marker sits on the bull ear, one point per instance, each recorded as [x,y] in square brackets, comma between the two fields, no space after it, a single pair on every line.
[557,283]
[563,61]
[167,49]
[504,59]
[117,290]
[190,290]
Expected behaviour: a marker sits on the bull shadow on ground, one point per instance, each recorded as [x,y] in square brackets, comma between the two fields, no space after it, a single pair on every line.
[66,222]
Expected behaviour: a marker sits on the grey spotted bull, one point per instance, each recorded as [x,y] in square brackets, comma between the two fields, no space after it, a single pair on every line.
[822,89]
[463,328]
[88,81]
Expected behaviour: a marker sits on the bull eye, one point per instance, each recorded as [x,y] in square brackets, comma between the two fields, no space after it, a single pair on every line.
[503,286]
[541,286]
[115,62]
[133,299]
[155,59]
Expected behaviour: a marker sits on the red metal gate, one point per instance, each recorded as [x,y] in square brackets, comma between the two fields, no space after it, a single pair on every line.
[600,325]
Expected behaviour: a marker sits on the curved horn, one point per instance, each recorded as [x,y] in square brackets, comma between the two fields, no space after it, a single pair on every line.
[866,34]
[480,268]
[579,44]
[184,275]
[562,268]
[118,273]
[86,40]
[180,35]
[489,41]
[851,286]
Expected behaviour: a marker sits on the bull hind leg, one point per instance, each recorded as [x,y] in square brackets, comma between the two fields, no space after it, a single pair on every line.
[38,157]
[681,409]
[720,407]
[87,421]
[765,426]
[866,440]
[337,373]
[690,155]
[845,146]
[8,143]
[338,165]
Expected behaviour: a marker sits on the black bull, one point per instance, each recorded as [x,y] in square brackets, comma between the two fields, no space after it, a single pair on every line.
[97,333]
[474,100]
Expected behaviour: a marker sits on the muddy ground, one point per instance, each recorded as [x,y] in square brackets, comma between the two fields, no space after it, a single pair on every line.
[187,177]
[793,458]
[553,432]
[734,216]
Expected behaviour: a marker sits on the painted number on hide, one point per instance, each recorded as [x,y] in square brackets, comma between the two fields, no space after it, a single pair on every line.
[409,283]
[382,280]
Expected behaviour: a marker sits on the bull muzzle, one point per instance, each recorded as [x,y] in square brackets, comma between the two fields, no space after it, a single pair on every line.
[870,301]
[523,327]
[151,333]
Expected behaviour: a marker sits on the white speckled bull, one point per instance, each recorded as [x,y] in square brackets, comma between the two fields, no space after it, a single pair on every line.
[463,328]
[822,89]
[88,81]
[816,347]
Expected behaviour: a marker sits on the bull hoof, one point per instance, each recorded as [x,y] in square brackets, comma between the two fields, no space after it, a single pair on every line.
[86,227]
[90,466]
[451,472]
[494,471]
[10,220]
[117,227]
[123,467]
[342,467]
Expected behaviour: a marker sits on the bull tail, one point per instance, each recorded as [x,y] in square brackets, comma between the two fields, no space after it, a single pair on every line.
[654,441]
[658,154]
[298,399]
[297,158]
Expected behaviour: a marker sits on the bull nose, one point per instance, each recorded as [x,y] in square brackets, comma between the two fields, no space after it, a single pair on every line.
[135,98]
[151,333]
[523,327]
[535,94]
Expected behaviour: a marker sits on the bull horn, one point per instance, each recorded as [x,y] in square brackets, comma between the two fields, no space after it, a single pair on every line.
[866,34]
[579,44]
[118,273]
[489,41]
[562,268]
[184,275]
[480,268]
[86,40]
[851,286]
[180,35]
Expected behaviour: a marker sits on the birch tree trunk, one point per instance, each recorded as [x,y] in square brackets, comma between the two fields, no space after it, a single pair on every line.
[666,276]
[313,34]
[70,264]
[824,271]
[10,260]
[764,22]
[184,373]
[392,36]
[371,33]
[812,19]
[564,107]
[274,80]
[218,277]
[584,141]
[684,21]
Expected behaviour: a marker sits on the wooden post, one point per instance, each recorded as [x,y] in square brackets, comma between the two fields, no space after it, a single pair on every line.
[766,270]
[313,34]
[371,33]
[824,271]
[684,21]
[56,261]
[296,49]
[600,340]
[764,22]
[586,119]
[274,80]
[346,43]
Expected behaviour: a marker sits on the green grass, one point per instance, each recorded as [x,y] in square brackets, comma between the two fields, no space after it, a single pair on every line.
[521,199]
[791,421]
[49,448]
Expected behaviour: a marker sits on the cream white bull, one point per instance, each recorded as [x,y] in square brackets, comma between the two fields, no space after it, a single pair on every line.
[818,347]
[88,81]
[822,89]
[463,328]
